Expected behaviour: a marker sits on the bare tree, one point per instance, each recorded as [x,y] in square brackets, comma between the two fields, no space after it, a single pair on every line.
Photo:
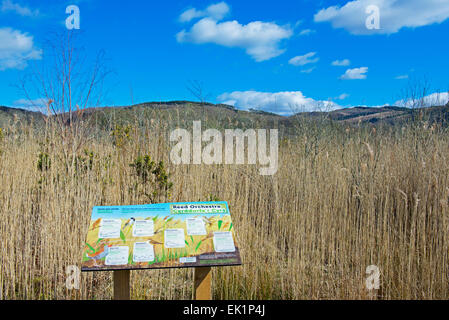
[196,88]
[414,94]
[69,85]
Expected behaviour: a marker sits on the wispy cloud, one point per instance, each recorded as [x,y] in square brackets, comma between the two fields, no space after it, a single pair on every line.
[306,32]
[341,63]
[216,11]
[394,15]
[308,70]
[9,6]
[304,59]
[355,74]
[402,77]
[343,96]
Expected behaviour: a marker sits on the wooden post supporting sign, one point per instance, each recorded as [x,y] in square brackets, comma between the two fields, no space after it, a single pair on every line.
[121,285]
[202,283]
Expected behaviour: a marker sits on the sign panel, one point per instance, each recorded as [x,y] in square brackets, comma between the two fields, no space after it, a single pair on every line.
[164,235]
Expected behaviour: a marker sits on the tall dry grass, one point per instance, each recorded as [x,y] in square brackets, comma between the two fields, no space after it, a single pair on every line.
[341,200]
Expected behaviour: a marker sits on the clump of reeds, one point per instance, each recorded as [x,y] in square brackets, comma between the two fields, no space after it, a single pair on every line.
[340,201]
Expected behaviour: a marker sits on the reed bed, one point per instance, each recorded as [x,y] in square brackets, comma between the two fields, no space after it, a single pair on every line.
[342,199]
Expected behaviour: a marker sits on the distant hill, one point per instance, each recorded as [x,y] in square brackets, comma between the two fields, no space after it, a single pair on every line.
[9,116]
[182,113]
[385,115]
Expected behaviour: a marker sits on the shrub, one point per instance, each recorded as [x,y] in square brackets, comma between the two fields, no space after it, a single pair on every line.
[43,161]
[153,179]
[121,135]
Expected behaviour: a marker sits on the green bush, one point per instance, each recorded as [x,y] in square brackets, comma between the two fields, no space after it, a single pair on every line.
[152,179]
[121,135]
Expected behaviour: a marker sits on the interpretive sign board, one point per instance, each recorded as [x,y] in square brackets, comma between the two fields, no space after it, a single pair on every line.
[165,235]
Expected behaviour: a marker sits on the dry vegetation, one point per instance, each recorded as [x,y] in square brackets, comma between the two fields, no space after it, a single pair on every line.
[343,199]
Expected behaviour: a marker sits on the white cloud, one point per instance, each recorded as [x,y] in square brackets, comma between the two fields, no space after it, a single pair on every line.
[306,32]
[402,77]
[355,74]
[341,63]
[37,105]
[303,60]
[394,15]
[261,40]
[342,96]
[308,70]
[290,102]
[283,103]
[16,48]
[298,23]
[8,5]
[434,99]
[215,11]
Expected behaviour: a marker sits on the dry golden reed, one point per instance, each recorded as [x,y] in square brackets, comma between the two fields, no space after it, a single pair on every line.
[341,200]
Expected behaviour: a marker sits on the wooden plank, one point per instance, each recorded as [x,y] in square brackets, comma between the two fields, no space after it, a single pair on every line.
[202,283]
[121,285]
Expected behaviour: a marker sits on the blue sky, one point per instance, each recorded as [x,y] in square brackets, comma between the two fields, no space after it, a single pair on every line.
[279,56]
